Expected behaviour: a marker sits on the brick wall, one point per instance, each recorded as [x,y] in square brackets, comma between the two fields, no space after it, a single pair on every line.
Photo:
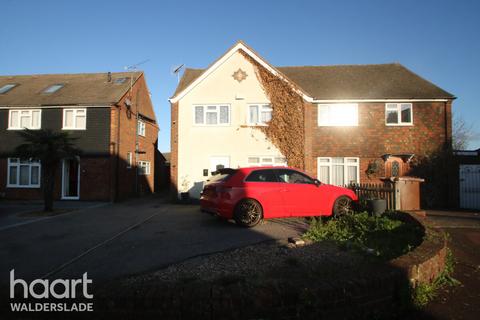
[371,139]
[123,141]
[94,181]
[174,150]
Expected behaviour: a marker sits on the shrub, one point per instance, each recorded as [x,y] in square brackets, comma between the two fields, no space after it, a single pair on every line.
[386,236]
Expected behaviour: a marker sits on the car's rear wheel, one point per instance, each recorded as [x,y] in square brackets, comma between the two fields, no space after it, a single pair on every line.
[342,206]
[248,213]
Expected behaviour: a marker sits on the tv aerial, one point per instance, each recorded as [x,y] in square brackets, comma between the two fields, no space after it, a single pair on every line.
[175,70]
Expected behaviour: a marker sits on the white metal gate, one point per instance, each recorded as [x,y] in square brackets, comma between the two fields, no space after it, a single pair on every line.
[470,186]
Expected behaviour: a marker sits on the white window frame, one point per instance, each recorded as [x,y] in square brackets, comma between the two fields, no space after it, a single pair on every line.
[331,109]
[262,163]
[129,159]
[345,167]
[217,110]
[141,128]
[398,106]
[260,108]
[145,165]
[75,115]
[30,115]
[11,163]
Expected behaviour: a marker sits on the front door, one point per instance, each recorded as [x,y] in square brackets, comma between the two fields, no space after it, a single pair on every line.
[71,179]
[217,163]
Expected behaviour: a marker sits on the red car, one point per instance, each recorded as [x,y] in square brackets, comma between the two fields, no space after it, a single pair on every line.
[249,195]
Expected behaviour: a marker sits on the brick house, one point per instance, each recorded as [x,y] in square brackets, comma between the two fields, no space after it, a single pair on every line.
[110,114]
[360,123]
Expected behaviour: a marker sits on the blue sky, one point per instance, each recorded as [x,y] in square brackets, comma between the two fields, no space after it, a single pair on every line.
[440,40]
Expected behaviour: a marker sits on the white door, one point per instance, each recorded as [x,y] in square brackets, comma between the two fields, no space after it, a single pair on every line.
[219,163]
[469,186]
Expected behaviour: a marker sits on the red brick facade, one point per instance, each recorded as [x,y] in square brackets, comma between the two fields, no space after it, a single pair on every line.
[174,150]
[372,138]
[123,140]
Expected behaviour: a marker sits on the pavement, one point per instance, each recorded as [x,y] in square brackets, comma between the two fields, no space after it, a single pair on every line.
[462,301]
[111,241]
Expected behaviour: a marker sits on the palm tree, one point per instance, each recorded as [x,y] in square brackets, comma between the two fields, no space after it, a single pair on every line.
[50,148]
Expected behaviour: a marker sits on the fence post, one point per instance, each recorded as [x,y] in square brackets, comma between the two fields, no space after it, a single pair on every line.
[397,194]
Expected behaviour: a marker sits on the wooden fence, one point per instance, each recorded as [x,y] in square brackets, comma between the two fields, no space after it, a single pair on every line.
[365,191]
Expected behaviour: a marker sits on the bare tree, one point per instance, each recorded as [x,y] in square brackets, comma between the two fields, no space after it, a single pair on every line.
[463,133]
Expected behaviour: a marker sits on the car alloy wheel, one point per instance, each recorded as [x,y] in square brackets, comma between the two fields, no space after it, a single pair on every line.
[248,213]
[342,206]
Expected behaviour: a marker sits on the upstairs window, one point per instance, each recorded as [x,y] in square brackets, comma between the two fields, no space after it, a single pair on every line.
[5,88]
[398,114]
[24,119]
[212,115]
[259,114]
[23,173]
[338,114]
[141,128]
[74,119]
[53,88]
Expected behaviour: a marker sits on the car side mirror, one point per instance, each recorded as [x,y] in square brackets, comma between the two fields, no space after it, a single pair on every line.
[317,182]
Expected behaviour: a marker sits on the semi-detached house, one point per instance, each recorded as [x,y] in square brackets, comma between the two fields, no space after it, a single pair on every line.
[110,115]
[360,123]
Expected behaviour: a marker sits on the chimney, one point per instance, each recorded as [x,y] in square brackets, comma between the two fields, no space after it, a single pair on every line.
[109,76]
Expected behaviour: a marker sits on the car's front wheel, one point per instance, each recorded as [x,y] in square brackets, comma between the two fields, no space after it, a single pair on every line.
[342,206]
[248,213]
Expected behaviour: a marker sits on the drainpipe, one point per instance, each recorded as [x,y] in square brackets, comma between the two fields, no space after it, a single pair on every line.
[117,156]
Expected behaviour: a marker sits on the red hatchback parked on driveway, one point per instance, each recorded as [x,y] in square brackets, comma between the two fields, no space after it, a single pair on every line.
[248,195]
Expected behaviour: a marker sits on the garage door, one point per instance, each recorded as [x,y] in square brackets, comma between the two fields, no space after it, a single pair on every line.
[470,186]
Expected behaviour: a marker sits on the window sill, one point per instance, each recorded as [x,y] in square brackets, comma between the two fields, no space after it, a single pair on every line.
[211,125]
[74,129]
[399,124]
[23,187]
[338,126]
[17,129]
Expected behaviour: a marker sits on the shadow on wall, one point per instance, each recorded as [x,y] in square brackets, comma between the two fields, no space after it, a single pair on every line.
[438,170]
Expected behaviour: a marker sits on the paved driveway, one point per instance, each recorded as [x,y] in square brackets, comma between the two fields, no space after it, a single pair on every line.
[122,239]
[462,301]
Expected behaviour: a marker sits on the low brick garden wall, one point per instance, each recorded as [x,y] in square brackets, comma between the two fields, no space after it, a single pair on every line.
[427,261]
[374,292]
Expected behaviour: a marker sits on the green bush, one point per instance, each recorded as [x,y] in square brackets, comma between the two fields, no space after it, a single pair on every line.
[386,236]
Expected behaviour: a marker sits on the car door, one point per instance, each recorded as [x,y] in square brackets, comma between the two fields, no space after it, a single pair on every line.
[262,185]
[301,196]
